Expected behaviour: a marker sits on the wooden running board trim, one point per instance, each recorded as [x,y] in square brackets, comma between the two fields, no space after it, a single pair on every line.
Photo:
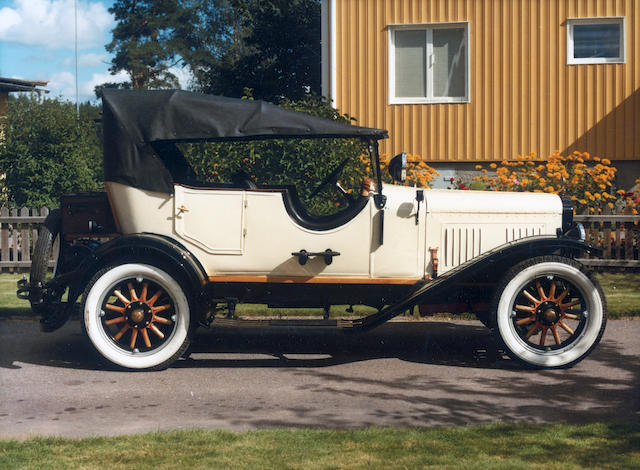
[311,280]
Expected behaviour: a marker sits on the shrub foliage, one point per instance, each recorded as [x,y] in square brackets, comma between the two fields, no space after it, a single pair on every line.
[48,151]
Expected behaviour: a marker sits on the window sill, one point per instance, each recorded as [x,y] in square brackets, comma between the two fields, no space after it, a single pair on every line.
[429,101]
[595,61]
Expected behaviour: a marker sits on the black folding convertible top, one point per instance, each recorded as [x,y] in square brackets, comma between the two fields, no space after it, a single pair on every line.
[138,124]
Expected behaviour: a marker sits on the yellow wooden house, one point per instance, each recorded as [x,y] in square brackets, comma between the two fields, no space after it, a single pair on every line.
[466,81]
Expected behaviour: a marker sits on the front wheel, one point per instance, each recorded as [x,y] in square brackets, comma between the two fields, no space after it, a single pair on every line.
[549,312]
[137,316]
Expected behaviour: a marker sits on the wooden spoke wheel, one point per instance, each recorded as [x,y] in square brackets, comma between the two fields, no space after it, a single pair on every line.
[137,316]
[549,312]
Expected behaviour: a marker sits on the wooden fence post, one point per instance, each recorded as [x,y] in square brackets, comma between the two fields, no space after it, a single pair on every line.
[25,242]
[4,237]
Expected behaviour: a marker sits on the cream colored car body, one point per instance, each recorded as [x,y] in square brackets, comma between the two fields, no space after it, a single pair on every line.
[248,236]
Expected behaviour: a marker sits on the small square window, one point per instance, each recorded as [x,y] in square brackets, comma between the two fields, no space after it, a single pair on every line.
[429,63]
[595,40]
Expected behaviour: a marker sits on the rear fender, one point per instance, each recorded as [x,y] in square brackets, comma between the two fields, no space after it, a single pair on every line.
[157,250]
[151,248]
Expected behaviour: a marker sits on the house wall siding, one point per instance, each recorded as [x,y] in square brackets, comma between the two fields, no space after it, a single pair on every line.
[523,95]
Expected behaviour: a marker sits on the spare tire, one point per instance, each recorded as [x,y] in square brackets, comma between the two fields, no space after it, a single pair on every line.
[48,232]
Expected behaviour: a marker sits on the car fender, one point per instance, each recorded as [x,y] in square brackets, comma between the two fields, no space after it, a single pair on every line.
[488,267]
[154,249]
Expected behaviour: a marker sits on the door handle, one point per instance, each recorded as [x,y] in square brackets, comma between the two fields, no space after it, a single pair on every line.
[182,209]
[304,255]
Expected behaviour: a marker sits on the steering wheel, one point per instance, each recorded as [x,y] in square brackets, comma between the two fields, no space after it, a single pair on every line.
[331,178]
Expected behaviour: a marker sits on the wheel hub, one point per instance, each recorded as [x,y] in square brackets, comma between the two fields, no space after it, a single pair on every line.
[548,313]
[138,314]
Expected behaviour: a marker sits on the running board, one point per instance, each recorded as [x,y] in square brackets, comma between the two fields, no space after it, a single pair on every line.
[298,323]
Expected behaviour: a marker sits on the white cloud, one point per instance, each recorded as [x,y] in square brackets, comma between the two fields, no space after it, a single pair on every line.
[50,23]
[183,75]
[87,88]
[87,60]
[62,83]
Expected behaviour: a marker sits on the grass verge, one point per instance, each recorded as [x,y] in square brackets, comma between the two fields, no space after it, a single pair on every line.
[621,291]
[596,445]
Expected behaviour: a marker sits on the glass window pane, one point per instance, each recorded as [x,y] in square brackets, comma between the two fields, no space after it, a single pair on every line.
[450,58]
[410,50]
[596,40]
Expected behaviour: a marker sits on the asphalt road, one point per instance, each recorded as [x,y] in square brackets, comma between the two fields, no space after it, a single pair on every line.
[401,374]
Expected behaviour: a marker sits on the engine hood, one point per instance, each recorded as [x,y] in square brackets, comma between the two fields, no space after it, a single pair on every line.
[479,202]
[492,202]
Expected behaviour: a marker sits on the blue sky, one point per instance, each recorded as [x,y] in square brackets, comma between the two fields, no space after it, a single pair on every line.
[37,43]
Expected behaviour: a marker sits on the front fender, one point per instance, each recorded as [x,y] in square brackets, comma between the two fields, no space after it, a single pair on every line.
[488,267]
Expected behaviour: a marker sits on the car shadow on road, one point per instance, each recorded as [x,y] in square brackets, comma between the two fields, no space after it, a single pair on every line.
[465,344]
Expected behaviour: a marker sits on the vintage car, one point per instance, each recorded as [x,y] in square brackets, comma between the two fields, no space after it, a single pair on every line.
[162,252]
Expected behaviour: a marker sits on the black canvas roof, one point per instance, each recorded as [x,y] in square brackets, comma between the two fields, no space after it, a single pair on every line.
[138,123]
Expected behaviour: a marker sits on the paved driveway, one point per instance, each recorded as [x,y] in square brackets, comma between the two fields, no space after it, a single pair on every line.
[402,374]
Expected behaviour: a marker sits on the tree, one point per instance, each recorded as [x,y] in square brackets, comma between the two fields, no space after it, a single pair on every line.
[49,152]
[151,37]
[269,46]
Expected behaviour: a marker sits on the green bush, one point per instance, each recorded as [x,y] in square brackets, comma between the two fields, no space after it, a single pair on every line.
[48,152]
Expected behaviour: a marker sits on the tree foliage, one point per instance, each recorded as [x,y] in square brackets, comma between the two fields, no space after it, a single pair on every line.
[48,152]
[151,37]
[269,46]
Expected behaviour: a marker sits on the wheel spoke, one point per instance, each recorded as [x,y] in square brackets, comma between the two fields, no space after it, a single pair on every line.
[565,327]
[530,297]
[115,308]
[115,320]
[569,305]
[143,294]
[122,298]
[161,308]
[540,291]
[155,297]
[570,316]
[524,321]
[543,335]
[145,337]
[119,334]
[134,337]
[155,329]
[132,292]
[554,330]
[563,295]
[534,329]
[552,291]
[164,321]
[525,308]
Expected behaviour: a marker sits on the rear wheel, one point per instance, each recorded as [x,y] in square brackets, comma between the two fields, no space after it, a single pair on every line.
[137,316]
[549,312]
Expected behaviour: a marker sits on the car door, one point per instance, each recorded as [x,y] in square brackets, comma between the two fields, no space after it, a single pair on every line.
[248,233]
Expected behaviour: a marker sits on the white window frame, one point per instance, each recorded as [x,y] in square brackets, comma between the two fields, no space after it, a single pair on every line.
[428,28]
[571,22]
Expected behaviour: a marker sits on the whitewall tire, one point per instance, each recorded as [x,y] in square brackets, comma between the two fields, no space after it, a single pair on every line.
[549,312]
[137,316]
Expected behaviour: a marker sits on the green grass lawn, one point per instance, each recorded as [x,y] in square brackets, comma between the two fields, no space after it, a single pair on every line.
[621,289]
[597,445]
